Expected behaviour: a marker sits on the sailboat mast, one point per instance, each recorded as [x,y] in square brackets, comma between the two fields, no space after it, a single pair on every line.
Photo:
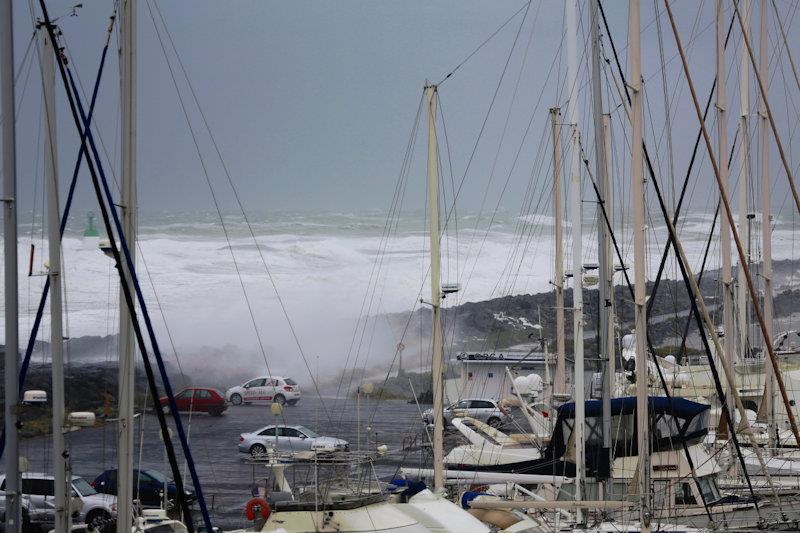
[436,293]
[558,238]
[47,59]
[611,364]
[725,224]
[640,318]
[604,273]
[766,223]
[744,179]
[127,366]
[577,242]
[13,511]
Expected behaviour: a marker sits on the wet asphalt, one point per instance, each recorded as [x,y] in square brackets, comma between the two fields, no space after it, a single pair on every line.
[226,479]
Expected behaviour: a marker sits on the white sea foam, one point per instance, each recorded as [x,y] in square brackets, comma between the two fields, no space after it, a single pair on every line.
[321,265]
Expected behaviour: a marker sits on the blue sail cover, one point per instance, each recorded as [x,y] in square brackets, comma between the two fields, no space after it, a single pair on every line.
[679,407]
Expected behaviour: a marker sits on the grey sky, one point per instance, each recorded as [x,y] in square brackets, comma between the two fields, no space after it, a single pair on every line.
[312,102]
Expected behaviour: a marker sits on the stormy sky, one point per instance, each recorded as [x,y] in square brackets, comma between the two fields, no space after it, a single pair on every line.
[312,103]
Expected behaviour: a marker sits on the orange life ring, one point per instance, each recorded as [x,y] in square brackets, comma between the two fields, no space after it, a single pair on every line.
[261,503]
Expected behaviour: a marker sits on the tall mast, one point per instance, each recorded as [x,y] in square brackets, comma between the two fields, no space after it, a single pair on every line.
[436,293]
[558,278]
[725,224]
[744,179]
[604,288]
[13,513]
[766,224]
[47,59]
[607,197]
[127,366]
[640,317]
[577,238]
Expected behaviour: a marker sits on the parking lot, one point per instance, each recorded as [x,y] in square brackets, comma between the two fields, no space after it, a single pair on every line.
[226,479]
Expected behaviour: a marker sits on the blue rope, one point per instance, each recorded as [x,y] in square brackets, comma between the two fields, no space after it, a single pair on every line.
[23,371]
[148,323]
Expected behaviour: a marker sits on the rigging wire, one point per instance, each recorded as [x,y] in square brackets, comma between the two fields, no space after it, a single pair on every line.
[23,63]
[786,43]
[486,116]
[525,7]
[392,221]
[214,198]
[650,345]
[83,126]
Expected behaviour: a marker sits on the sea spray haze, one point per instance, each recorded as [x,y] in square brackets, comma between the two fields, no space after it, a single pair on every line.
[323,264]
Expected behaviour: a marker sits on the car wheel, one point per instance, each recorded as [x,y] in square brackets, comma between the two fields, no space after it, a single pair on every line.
[494,422]
[215,411]
[236,399]
[293,402]
[97,519]
[257,449]
[280,399]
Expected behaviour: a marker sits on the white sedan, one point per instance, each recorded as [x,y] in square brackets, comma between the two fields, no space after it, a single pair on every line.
[288,438]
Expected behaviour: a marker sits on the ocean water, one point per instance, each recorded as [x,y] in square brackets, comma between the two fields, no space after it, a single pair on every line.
[322,265]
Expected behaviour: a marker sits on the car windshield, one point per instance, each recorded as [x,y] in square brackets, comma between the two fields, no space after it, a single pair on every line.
[83,487]
[308,432]
[155,474]
[290,381]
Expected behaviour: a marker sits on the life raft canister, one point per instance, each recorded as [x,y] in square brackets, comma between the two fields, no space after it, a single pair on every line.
[250,508]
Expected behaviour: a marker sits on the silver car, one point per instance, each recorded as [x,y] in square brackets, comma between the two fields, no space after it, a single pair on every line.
[42,517]
[487,411]
[38,489]
[287,438]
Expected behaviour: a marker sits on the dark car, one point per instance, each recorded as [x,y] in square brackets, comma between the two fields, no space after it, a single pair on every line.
[199,400]
[148,487]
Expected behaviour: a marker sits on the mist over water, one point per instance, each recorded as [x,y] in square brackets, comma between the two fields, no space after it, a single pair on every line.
[321,263]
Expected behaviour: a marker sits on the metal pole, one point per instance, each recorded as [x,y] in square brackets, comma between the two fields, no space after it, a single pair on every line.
[13,512]
[725,223]
[577,238]
[640,294]
[127,366]
[605,293]
[744,180]
[558,277]
[610,349]
[766,225]
[60,454]
[436,294]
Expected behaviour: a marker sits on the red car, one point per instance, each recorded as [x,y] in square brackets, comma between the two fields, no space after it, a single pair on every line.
[199,400]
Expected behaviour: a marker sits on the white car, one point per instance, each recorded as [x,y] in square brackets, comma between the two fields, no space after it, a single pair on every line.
[272,389]
[38,489]
[288,438]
